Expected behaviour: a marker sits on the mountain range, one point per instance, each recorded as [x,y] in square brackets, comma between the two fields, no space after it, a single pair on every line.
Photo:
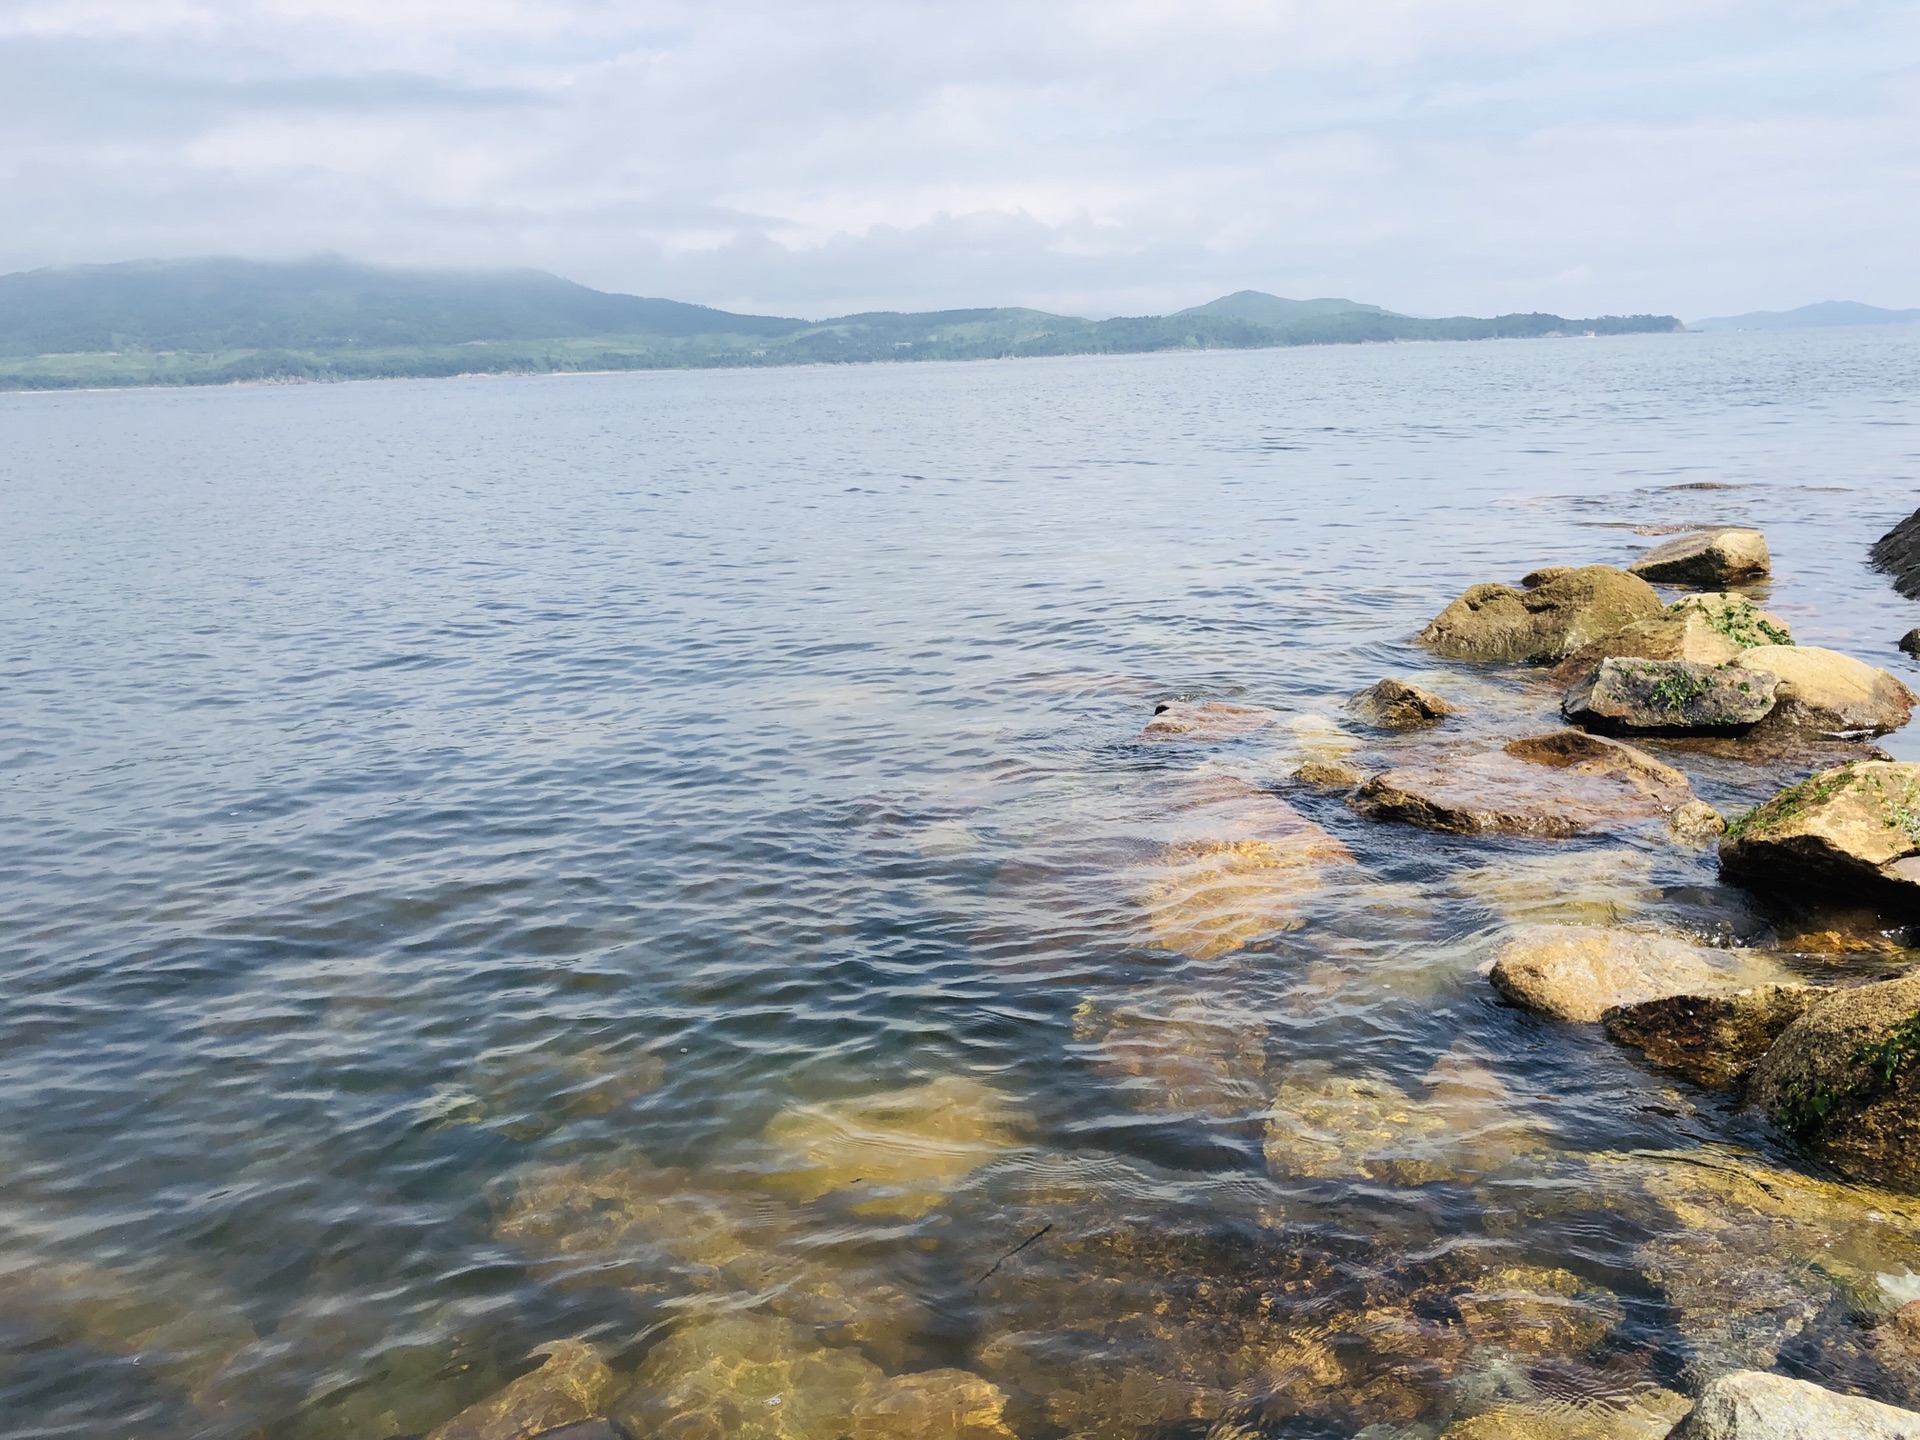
[215,321]
[1827,312]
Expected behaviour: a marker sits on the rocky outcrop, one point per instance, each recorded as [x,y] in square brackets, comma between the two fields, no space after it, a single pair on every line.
[1555,613]
[1708,557]
[1705,629]
[1825,693]
[1844,1080]
[1565,783]
[1852,832]
[1714,1040]
[1395,705]
[1580,972]
[572,1386]
[1754,1405]
[1898,553]
[1667,697]
[1214,720]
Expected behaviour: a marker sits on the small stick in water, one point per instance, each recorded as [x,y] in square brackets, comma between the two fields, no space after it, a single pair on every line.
[1011,1253]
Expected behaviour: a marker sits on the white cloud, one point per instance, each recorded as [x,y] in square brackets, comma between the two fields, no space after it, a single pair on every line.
[826,155]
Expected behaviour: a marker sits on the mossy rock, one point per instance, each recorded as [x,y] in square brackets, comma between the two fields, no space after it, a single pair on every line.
[1555,613]
[1852,832]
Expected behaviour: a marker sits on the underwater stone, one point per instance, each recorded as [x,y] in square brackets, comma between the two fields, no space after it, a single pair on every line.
[932,1405]
[1214,720]
[573,1385]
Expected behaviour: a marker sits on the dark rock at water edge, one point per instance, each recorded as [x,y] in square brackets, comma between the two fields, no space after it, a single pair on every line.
[1670,697]
[1898,553]
[1714,1040]
[1910,642]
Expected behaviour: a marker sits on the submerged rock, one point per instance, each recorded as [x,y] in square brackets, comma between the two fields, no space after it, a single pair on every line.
[1178,1052]
[1844,1080]
[1566,783]
[745,1377]
[932,1405]
[1711,557]
[1558,612]
[1852,832]
[1703,629]
[1714,1040]
[1579,972]
[1395,705]
[1670,697]
[1213,720]
[1823,693]
[573,1385]
[900,1151]
[1565,887]
[1752,1405]
[1647,1416]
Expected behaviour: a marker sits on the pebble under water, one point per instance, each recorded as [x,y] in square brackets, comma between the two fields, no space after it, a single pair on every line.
[671,861]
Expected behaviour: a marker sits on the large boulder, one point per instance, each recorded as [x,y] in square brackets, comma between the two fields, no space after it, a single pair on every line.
[572,1386]
[1395,705]
[1754,1405]
[1714,1040]
[1565,783]
[1707,629]
[1580,972]
[1825,693]
[1844,1080]
[1851,833]
[1555,613]
[1666,697]
[1708,557]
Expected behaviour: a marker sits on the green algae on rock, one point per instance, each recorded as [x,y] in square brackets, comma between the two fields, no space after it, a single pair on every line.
[1559,611]
[1701,629]
[1844,1080]
[572,1385]
[1664,697]
[1851,832]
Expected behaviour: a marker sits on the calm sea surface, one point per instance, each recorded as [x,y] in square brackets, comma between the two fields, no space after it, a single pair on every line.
[669,859]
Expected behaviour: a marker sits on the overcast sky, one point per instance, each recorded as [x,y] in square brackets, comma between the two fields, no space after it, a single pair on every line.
[815,157]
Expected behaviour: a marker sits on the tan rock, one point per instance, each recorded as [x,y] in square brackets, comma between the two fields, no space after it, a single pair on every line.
[1714,1040]
[1702,629]
[1579,972]
[1329,775]
[1844,1080]
[1753,1405]
[1710,557]
[1558,612]
[573,1385]
[1395,705]
[932,1405]
[1825,693]
[1213,720]
[1566,783]
[1852,832]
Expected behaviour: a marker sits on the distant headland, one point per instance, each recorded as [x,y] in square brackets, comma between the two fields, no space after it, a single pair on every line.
[211,322]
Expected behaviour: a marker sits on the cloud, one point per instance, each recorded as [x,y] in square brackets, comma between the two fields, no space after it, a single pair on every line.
[820,156]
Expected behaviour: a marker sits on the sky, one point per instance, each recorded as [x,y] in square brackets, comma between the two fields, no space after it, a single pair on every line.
[818,157]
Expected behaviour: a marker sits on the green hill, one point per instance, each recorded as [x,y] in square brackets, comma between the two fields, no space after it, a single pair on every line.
[219,321]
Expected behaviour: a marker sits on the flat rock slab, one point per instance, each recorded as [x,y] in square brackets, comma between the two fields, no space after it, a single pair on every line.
[1553,614]
[1669,697]
[1580,972]
[1714,1040]
[1562,784]
[1710,557]
[1214,720]
[1754,1405]
[1395,705]
[1850,833]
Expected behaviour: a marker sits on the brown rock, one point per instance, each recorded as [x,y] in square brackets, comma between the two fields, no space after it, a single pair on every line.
[1558,612]
[1668,697]
[1329,775]
[1852,832]
[1696,823]
[1214,720]
[1714,1040]
[1844,1079]
[1579,972]
[1711,557]
[1825,693]
[1566,783]
[1395,705]
[573,1385]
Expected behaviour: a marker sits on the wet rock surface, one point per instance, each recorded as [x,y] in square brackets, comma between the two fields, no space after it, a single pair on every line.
[1211,720]
[1329,775]
[1664,697]
[1752,1405]
[1396,705]
[1648,1416]
[1851,832]
[1844,1080]
[1710,557]
[1714,1040]
[1557,785]
[1555,613]
[1822,693]
[1580,972]
[572,1386]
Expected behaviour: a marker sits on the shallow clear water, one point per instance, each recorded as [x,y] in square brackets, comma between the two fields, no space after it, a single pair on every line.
[473,852]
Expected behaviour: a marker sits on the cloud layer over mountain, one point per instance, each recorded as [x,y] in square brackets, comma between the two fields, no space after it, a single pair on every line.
[824,156]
